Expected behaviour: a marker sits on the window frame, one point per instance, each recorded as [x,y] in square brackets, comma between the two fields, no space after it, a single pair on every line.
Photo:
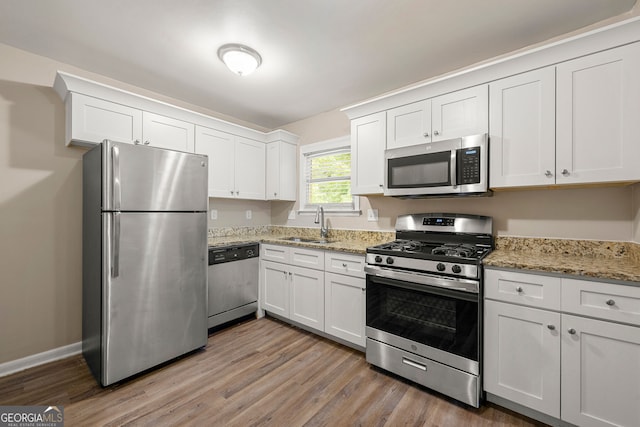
[319,147]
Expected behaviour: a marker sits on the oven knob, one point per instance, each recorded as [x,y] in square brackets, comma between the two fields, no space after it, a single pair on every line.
[440,266]
[389,260]
[456,269]
[378,258]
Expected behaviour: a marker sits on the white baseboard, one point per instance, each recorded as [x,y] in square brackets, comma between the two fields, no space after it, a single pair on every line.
[18,365]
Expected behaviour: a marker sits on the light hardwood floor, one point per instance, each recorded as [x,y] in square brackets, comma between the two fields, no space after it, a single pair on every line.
[255,373]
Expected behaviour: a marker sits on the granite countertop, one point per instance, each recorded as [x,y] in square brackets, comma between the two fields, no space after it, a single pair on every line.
[619,261]
[350,241]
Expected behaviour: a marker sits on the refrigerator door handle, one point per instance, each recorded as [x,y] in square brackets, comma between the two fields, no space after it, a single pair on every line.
[115,245]
[117,194]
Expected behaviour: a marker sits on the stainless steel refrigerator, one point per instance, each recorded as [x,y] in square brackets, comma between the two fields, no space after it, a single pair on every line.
[144,257]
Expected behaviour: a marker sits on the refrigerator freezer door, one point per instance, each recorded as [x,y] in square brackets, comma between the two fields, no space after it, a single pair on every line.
[141,178]
[155,304]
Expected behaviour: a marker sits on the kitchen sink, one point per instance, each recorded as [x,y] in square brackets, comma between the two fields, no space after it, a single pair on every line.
[306,240]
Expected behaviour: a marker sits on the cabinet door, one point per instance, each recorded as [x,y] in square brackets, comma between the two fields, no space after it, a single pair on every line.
[598,100]
[409,124]
[307,297]
[522,355]
[250,169]
[522,124]
[344,305]
[281,171]
[92,120]
[367,154]
[166,132]
[600,373]
[274,281]
[220,147]
[461,113]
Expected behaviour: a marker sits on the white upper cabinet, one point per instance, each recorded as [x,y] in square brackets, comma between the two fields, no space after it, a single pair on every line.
[220,147]
[367,154]
[522,129]
[598,110]
[91,120]
[250,169]
[409,124]
[281,171]
[461,113]
[236,164]
[456,114]
[166,132]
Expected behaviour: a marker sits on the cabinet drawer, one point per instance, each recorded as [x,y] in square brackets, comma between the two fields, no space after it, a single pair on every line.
[522,288]
[341,263]
[607,301]
[274,253]
[309,258]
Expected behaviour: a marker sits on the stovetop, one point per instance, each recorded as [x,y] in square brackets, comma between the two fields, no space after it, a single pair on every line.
[426,250]
[441,244]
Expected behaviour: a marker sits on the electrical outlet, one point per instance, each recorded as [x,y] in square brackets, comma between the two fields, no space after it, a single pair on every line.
[214,213]
[292,214]
[372,214]
[248,213]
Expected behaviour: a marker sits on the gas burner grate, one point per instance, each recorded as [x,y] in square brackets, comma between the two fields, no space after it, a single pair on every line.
[463,250]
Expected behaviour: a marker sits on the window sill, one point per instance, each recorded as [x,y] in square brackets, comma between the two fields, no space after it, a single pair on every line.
[332,212]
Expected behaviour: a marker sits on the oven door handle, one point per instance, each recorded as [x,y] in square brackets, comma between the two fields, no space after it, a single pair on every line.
[468,286]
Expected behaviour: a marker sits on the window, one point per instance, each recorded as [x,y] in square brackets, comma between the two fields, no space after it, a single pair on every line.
[325,169]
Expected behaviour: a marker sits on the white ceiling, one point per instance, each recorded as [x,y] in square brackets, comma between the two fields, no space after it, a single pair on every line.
[318,55]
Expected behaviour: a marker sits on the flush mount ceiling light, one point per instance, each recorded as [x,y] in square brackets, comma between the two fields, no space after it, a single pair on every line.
[239,58]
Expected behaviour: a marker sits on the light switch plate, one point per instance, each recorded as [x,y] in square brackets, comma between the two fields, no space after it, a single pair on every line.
[214,213]
[372,214]
[292,214]
[249,213]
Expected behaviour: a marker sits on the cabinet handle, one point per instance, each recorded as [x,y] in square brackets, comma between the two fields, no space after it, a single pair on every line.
[290,274]
[519,289]
[436,133]
[237,192]
[146,142]
[344,265]
[565,172]
[275,194]
[611,302]
[551,327]
[136,142]
[548,174]
[231,191]
[426,134]
[572,331]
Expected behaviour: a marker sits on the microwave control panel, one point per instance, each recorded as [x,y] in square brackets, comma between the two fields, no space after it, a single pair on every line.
[468,165]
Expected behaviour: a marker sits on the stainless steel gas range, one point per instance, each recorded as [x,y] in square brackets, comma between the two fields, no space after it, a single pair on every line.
[424,302]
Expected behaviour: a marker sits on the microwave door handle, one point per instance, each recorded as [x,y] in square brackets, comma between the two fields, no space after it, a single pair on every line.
[454,166]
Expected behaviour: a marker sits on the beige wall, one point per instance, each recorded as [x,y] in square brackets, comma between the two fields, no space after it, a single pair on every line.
[233,213]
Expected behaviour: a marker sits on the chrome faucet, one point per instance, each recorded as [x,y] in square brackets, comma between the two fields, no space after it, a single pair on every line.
[320,220]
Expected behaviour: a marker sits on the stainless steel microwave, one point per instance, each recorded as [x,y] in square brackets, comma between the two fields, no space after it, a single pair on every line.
[444,168]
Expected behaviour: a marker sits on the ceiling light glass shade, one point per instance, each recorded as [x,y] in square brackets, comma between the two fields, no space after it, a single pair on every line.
[239,58]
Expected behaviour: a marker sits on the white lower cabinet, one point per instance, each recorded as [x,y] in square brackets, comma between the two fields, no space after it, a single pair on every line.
[522,356]
[582,370]
[307,297]
[600,372]
[275,287]
[344,307]
[323,290]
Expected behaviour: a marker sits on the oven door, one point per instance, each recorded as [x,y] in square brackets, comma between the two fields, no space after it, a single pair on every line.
[435,322]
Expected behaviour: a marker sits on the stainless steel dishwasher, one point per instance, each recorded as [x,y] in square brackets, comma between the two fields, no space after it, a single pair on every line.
[233,282]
